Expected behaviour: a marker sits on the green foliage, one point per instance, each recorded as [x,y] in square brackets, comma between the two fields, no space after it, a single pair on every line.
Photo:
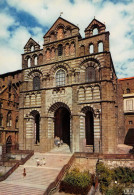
[76,182]
[115,189]
[124,175]
[105,176]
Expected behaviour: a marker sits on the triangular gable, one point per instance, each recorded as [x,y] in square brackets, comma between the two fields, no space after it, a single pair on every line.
[95,22]
[31,42]
[63,22]
[5,90]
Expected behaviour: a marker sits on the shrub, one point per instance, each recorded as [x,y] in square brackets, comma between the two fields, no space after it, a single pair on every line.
[115,189]
[124,175]
[76,182]
[105,176]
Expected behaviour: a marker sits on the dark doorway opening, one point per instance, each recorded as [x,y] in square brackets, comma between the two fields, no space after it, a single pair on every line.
[8,144]
[62,124]
[89,127]
[37,128]
[36,121]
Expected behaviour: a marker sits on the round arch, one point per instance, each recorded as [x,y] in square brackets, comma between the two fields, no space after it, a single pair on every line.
[8,144]
[89,125]
[36,117]
[61,121]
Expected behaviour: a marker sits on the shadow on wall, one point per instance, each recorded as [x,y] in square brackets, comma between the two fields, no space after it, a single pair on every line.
[129,139]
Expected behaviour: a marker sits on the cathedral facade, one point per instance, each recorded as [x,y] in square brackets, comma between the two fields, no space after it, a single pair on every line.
[69,90]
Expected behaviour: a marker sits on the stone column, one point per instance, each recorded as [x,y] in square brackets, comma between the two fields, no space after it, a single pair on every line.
[97,133]
[75,135]
[30,132]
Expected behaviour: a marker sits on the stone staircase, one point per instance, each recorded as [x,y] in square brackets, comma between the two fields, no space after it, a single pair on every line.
[64,149]
[37,178]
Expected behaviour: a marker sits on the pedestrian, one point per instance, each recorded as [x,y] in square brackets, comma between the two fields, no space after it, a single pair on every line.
[24,172]
[38,162]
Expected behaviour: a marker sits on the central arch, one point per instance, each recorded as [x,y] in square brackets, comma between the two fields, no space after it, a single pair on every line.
[62,124]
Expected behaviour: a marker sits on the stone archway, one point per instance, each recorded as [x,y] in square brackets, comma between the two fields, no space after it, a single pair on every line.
[61,121]
[8,144]
[36,117]
[89,127]
[62,125]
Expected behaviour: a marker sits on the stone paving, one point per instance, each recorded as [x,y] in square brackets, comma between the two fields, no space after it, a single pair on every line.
[37,178]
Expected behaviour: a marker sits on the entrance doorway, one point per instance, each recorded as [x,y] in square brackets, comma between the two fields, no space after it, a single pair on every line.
[62,124]
[89,128]
[8,144]
[36,121]
[37,128]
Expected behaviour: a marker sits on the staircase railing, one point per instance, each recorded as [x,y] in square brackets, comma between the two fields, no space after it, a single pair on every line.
[20,162]
[53,186]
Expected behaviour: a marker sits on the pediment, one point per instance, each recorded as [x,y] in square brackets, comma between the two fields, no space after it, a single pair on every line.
[30,43]
[95,23]
[60,22]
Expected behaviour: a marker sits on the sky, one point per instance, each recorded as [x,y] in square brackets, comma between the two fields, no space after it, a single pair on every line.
[22,19]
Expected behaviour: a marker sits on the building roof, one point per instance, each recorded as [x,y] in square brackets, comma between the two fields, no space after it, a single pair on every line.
[128,78]
[10,73]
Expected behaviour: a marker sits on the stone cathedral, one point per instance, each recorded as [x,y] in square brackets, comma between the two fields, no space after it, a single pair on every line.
[69,90]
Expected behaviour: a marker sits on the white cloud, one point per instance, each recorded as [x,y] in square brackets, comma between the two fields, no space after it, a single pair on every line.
[119,20]
[9,60]
[5,22]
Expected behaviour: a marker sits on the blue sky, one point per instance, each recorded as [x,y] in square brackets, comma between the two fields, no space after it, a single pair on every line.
[22,19]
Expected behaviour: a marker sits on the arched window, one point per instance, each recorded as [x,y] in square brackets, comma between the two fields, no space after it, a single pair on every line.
[68,32]
[60,33]
[16,123]
[35,60]
[67,49]
[9,119]
[40,61]
[95,31]
[60,78]
[36,83]
[91,48]
[1,119]
[100,47]
[32,48]
[72,48]
[90,74]
[82,50]
[29,62]
[128,90]
[60,50]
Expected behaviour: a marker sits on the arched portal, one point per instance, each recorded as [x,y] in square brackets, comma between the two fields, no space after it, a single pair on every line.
[8,144]
[36,116]
[62,124]
[89,128]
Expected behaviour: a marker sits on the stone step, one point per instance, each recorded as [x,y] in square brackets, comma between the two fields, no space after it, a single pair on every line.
[62,149]
[13,189]
[37,178]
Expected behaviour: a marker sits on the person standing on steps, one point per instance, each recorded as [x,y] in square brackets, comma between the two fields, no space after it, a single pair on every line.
[24,172]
